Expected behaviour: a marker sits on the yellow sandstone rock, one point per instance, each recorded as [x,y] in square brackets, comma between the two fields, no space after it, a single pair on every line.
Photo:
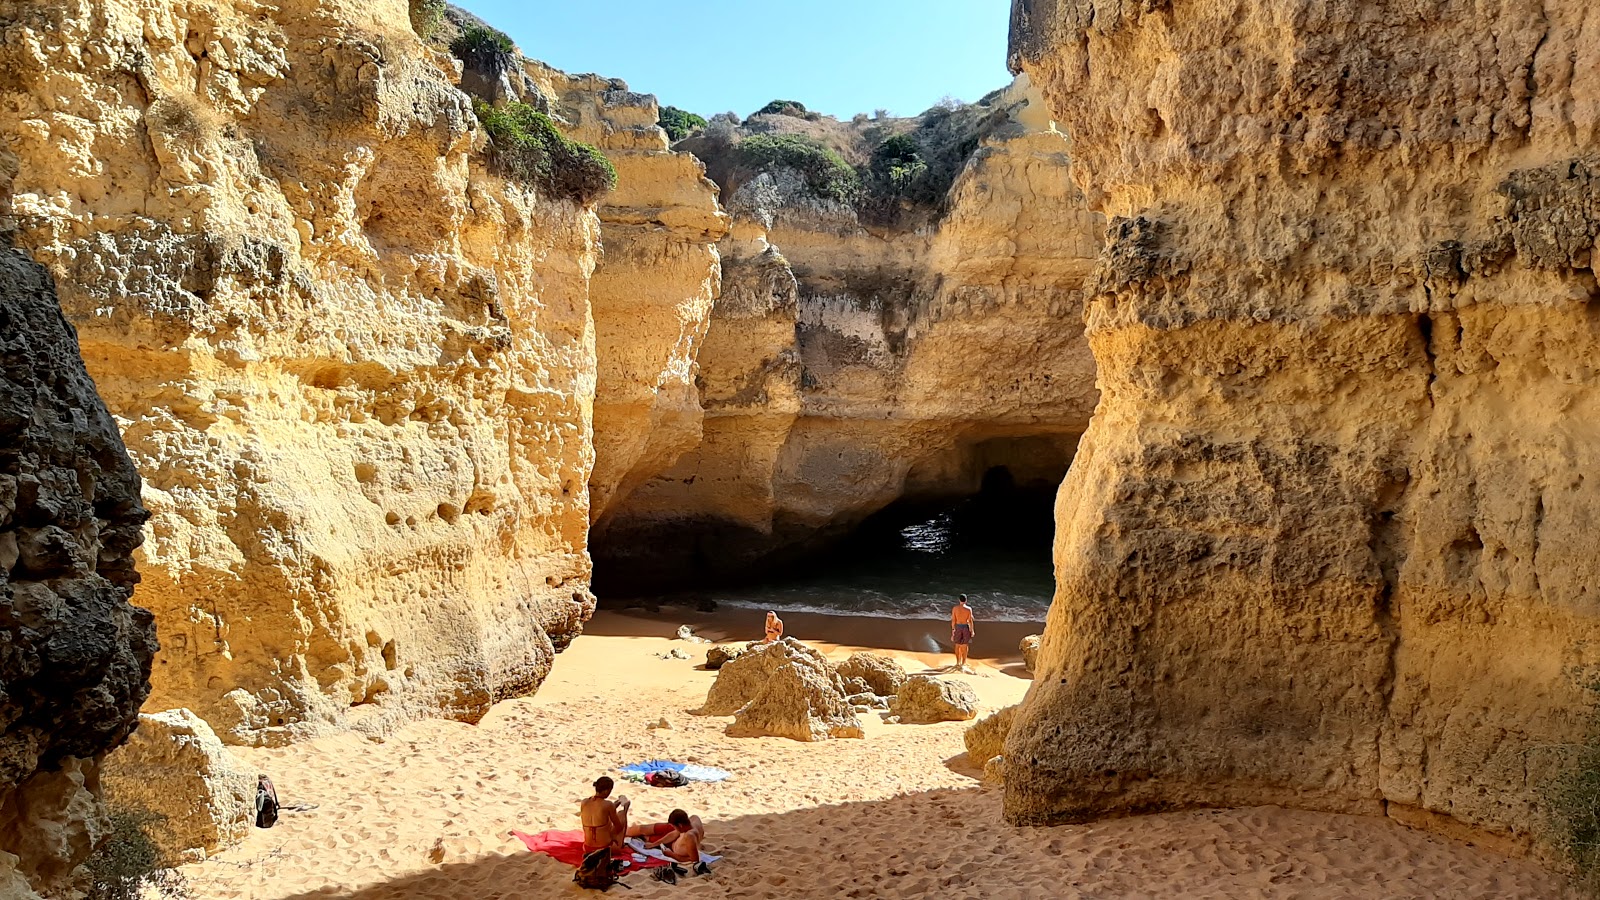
[1327,542]
[355,370]
[847,367]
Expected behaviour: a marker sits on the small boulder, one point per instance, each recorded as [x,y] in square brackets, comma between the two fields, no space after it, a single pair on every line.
[987,737]
[880,673]
[798,701]
[868,699]
[741,679]
[995,770]
[722,654]
[1030,651]
[685,633]
[175,776]
[783,689]
[924,700]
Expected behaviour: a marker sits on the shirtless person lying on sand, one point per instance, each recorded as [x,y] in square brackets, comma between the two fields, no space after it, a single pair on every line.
[679,837]
[605,821]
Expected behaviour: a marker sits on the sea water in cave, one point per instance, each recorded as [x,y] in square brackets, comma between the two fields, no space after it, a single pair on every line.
[911,559]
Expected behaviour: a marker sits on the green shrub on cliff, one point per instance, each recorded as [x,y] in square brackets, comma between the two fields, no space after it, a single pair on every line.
[426,17]
[678,123]
[786,108]
[484,49]
[526,146]
[825,171]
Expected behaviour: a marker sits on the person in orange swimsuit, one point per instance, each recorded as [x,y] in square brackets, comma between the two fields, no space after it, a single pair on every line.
[774,627]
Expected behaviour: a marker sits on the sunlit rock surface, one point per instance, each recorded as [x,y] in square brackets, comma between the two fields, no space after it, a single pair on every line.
[1327,542]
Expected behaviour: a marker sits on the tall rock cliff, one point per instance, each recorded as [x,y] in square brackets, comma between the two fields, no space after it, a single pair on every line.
[355,369]
[1326,542]
[851,363]
[74,655]
[652,288]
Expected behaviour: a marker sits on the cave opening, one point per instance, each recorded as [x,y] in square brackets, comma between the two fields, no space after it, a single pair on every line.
[975,517]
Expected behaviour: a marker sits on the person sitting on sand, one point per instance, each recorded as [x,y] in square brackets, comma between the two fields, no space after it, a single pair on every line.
[605,821]
[774,627]
[961,630]
[679,837]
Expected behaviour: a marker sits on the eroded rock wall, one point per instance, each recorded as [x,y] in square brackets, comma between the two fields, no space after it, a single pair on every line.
[653,286]
[1326,541]
[355,369]
[74,654]
[847,367]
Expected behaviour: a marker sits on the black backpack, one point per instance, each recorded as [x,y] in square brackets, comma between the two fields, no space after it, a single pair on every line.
[266,803]
[598,870]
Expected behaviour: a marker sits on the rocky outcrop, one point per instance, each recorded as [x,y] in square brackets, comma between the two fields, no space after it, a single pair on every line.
[873,672]
[722,654]
[653,286]
[176,779]
[782,689]
[986,738]
[74,655]
[849,364]
[1029,648]
[355,368]
[924,700]
[1326,543]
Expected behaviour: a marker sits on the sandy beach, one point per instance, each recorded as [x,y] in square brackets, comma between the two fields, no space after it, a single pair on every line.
[426,813]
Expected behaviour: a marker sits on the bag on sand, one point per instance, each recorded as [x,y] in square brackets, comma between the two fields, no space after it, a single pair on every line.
[266,803]
[666,778]
[598,870]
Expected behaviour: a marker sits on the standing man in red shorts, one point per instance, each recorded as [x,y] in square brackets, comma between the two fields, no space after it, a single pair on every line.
[961,630]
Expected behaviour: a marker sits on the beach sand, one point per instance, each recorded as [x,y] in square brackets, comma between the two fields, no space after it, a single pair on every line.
[426,813]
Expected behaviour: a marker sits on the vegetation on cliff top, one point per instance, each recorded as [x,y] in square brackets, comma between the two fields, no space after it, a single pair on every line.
[484,49]
[825,171]
[679,123]
[526,146]
[787,108]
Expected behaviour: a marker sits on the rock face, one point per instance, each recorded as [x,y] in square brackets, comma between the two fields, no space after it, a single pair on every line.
[355,369]
[924,700]
[782,689]
[1328,540]
[653,287]
[175,776]
[841,369]
[722,654]
[76,659]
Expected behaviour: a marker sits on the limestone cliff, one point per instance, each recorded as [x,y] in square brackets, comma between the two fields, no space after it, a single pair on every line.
[1326,542]
[74,655]
[355,369]
[851,363]
[653,286]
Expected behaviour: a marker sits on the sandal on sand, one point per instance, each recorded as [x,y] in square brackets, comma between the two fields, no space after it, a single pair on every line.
[665,873]
[700,868]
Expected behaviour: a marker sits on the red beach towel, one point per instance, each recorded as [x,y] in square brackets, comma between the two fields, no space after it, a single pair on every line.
[567,846]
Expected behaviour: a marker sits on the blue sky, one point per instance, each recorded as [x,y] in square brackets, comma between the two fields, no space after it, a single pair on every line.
[840,57]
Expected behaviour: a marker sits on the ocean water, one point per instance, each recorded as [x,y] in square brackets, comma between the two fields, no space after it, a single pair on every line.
[912,563]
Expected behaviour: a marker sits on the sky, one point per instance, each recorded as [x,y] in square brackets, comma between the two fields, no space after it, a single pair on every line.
[840,57]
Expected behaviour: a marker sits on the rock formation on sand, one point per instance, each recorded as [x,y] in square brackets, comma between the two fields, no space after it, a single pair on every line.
[355,368]
[860,355]
[874,672]
[1328,540]
[1029,648]
[986,738]
[189,794]
[74,655]
[924,700]
[782,689]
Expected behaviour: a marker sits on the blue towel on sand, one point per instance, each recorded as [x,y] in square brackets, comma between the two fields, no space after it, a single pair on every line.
[691,772]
